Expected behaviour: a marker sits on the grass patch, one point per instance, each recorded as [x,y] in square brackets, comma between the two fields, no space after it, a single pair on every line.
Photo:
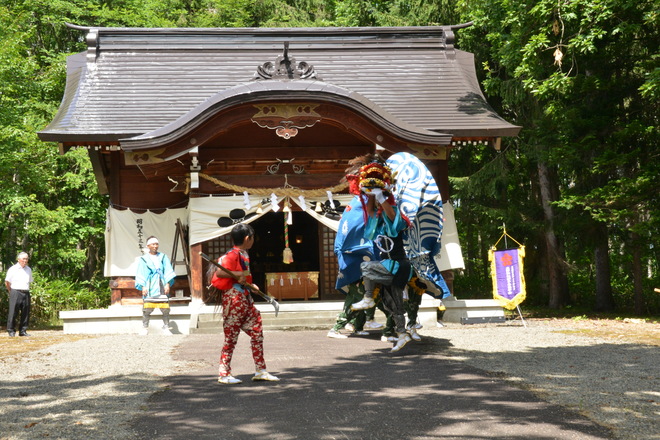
[37,340]
[645,336]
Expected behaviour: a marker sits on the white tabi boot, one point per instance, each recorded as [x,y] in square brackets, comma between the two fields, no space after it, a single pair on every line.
[229,380]
[372,325]
[401,341]
[365,304]
[263,375]
[414,334]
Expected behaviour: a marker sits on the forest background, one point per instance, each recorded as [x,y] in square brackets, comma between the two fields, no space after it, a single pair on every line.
[579,187]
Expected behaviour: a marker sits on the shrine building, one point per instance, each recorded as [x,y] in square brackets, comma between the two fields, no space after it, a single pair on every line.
[192,130]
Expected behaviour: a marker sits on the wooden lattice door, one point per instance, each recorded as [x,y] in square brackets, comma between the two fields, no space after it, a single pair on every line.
[328,260]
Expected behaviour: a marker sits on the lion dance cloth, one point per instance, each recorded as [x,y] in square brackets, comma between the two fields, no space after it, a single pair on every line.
[419,198]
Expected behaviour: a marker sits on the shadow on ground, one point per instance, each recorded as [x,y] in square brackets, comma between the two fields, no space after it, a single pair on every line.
[349,389]
[69,406]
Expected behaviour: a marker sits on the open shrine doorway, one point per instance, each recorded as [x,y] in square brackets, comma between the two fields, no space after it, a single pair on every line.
[311,275]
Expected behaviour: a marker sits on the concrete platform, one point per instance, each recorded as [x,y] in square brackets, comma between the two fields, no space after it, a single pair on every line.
[196,317]
[471,310]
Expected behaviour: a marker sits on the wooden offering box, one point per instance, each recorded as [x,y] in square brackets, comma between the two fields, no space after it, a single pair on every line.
[292,285]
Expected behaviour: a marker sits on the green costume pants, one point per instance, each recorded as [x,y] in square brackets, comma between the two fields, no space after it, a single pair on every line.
[412,310]
[355,317]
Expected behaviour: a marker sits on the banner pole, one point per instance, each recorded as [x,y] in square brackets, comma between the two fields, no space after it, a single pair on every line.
[521,316]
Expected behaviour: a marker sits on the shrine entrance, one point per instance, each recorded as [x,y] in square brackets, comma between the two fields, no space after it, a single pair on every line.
[312,273]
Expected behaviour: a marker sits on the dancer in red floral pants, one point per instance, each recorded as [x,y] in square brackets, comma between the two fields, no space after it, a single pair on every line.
[239,313]
[238,309]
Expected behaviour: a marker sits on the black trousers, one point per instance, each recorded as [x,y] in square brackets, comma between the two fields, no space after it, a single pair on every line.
[19,303]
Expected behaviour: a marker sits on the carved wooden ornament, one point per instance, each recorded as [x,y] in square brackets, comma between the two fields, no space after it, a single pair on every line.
[286,119]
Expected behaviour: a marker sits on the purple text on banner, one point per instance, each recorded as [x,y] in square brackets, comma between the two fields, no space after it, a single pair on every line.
[507,272]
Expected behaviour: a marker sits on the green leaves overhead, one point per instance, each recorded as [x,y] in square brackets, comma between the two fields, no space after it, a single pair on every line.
[581,77]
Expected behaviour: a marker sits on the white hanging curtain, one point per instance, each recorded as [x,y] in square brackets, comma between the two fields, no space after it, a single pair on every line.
[207,212]
[126,236]
[450,256]
[311,204]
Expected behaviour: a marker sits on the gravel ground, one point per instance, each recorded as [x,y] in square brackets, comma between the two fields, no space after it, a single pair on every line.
[92,387]
[610,379]
[86,389]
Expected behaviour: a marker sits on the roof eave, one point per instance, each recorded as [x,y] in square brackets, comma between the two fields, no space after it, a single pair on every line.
[83,138]
[264,91]
[510,131]
[410,30]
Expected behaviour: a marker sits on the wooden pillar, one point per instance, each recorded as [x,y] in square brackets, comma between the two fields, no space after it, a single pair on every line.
[196,273]
[115,176]
[448,276]
[440,171]
[115,293]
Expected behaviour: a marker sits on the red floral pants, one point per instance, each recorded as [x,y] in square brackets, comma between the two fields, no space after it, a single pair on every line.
[239,313]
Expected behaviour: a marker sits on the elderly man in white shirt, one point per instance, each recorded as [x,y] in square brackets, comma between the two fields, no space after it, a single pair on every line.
[18,280]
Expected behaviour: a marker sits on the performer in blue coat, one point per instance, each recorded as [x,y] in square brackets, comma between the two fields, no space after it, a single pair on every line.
[384,225]
[154,278]
[352,249]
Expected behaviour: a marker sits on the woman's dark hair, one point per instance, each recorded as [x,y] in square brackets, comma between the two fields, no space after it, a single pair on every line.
[240,231]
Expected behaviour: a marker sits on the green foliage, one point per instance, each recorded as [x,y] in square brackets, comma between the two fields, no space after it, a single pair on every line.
[50,296]
[580,77]
[49,203]
[394,13]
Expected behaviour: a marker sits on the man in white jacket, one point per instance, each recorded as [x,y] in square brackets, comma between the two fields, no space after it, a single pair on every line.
[18,280]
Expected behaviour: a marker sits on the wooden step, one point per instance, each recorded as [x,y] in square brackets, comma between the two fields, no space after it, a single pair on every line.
[290,320]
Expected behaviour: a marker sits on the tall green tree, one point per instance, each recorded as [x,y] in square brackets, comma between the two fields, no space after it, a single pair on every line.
[580,78]
[50,206]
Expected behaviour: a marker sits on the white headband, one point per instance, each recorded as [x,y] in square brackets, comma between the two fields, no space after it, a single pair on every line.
[152,240]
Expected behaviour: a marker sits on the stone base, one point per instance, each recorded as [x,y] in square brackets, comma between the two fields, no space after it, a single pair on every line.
[471,310]
[186,318]
[124,319]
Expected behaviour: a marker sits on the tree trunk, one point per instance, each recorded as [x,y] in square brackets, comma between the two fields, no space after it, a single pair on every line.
[556,293]
[604,298]
[637,274]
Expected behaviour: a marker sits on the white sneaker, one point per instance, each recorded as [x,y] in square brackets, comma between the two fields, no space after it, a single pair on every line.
[335,334]
[228,380]
[388,338]
[167,331]
[401,341]
[418,325]
[365,304]
[144,331]
[372,325]
[362,333]
[350,327]
[265,375]
[414,334]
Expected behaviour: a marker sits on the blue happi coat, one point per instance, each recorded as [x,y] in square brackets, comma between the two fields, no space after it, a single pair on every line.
[354,242]
[379,227]
[152,276]
[351,246]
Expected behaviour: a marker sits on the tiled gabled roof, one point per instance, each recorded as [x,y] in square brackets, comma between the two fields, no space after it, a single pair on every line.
[134,81]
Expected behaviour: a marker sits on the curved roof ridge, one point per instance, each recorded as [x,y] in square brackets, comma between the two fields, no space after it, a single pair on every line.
[134,80]
[272,90]
[285,30]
